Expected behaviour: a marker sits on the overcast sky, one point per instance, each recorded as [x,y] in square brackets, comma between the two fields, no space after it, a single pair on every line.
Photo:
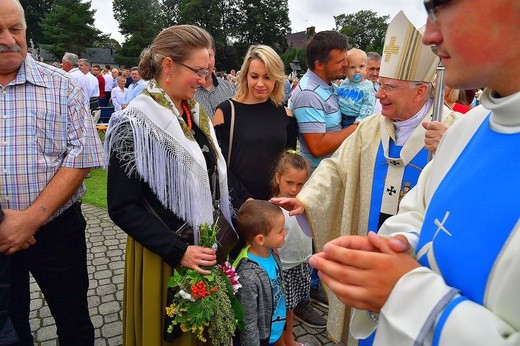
[302,13]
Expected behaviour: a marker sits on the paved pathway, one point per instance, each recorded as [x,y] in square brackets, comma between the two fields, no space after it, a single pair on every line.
[106,247]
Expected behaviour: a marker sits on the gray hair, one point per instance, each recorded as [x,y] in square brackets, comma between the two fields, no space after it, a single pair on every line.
[85,61]
[22,12]
[72,58]
[373,56]
[429,91]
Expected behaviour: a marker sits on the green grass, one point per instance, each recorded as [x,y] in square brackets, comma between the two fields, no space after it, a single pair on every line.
[96,188]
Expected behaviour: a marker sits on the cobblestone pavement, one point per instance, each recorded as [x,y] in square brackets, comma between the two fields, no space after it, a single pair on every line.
[106,248]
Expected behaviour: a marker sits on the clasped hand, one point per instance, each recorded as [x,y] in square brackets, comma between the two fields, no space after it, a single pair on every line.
[16,231]
[362,271]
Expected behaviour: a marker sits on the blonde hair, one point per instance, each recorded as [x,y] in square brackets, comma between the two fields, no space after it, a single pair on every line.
[176,42]
[287,160]
[274,66]
[452,96]
[356,52]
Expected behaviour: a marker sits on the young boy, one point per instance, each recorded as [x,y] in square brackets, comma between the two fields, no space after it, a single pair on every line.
[261,224]
[357,96]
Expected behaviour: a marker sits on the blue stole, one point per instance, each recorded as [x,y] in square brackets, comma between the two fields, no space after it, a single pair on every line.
[411,174]
[472,212]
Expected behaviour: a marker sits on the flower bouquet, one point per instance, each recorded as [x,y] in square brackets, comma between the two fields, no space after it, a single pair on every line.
[206,304]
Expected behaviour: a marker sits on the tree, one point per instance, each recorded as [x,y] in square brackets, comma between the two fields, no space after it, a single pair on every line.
[105,41]
[69,27]
[291,55]
[261,22]
[35,10]
[365,30]
[208,14]
[170,12]
[139,23]
[226,58]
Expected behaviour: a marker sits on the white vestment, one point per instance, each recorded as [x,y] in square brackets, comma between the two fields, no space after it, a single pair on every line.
[338,195]
[423,308]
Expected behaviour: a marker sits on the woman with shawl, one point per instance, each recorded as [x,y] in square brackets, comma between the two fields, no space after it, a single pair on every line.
[164,164]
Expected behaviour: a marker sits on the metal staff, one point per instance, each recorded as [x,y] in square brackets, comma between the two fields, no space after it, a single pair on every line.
[438,101]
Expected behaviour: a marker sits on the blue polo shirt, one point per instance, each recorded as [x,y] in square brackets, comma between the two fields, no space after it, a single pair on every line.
[315,105]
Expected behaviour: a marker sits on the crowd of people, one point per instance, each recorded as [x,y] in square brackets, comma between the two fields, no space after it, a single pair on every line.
[327,179]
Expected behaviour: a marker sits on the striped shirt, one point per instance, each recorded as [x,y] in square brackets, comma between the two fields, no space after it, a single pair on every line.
[210,99]
[315,105]
[45,125]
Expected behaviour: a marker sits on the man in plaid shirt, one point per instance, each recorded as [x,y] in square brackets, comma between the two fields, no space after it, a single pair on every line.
[48,144]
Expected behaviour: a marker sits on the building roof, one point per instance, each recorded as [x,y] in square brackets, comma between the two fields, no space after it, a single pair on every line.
[299,39]
[97,56]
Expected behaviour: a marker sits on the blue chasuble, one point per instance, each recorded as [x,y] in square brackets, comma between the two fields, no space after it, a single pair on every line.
[472,212]
[411,174]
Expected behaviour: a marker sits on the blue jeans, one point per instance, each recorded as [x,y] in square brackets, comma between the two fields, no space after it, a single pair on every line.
[58,263]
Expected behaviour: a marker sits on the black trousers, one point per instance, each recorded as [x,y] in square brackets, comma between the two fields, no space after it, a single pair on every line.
[58,262]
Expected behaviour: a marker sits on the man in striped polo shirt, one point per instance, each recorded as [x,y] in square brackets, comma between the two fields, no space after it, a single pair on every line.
[314,102]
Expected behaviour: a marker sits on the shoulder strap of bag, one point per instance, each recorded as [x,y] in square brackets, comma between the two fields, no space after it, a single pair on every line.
[180,231]
[231,131]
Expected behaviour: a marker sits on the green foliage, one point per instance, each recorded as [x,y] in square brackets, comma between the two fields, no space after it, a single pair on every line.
[234,25]
[261,22]
[226,58]
[35,10]
[365,29]
[105,41]
[96,188]
[205,303]
[294,54]
[170,12]
[139,23]
[69,27]
[207,14]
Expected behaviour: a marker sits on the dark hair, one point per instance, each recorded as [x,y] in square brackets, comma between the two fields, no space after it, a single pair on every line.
[321,44]
[96,66]
[176,42]
[287,160]
[256,217]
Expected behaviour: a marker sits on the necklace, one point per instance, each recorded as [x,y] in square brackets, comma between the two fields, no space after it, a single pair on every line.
[188,114]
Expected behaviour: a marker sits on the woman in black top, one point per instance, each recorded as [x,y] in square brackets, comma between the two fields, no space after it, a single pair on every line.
[263,127]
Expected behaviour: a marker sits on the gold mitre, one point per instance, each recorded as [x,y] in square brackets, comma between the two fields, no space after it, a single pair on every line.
[404,56]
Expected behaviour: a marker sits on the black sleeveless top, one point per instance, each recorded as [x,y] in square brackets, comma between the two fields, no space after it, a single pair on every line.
[262,132]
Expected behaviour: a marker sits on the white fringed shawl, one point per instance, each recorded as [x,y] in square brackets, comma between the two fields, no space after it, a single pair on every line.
[167,156]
